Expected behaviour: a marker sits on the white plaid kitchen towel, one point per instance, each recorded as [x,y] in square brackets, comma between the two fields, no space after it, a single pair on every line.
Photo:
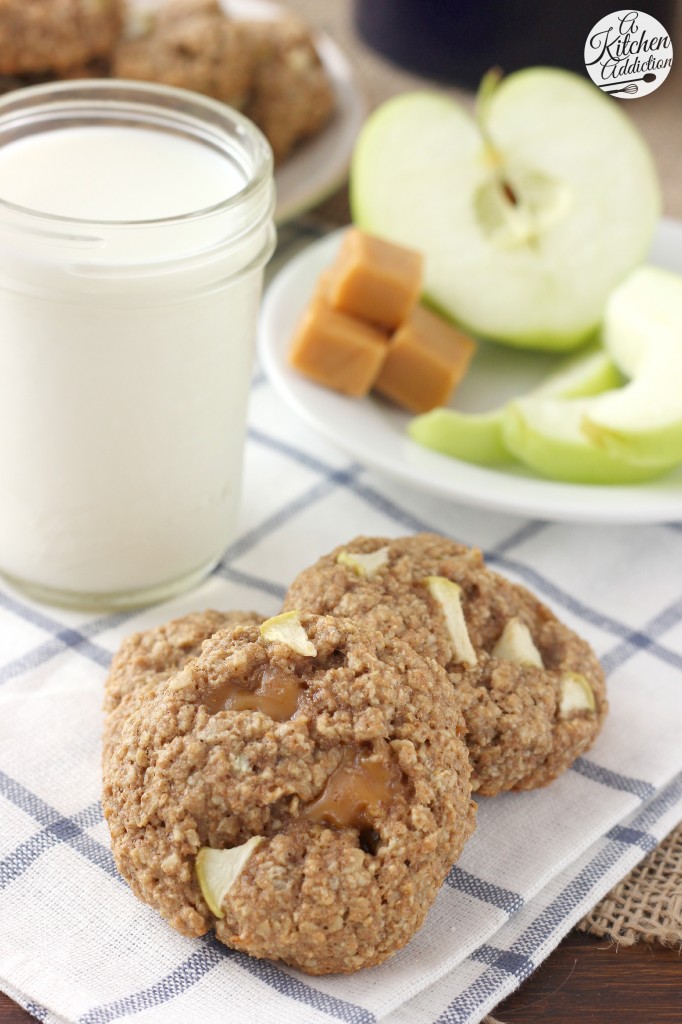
[75,944]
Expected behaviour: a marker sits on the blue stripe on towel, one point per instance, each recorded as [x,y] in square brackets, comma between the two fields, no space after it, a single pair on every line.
[57,828]
[605,777]
[551,918]
[487,892]
[633,837]
[36,1010]
[203,960]
[505,960]
[288,985]
[245,579]
[186,974]
[316,493]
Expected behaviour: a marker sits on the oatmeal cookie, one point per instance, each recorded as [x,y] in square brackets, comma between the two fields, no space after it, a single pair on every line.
[190,44]
[291,97]
[331,760]
[56,35]
[531,705]
[144,660]
[98,67]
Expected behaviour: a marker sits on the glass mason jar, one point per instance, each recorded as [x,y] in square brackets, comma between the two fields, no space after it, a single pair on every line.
[127,335]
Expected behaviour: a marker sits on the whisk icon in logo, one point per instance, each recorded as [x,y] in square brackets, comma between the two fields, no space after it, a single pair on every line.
[628,54]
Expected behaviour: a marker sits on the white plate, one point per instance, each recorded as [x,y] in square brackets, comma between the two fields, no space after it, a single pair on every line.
[320,166]
[374,432]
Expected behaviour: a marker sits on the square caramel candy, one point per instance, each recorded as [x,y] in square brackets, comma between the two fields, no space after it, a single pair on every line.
[374,279]
[335,349]
[427,358]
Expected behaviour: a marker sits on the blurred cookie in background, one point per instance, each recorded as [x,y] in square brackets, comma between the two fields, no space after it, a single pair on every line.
[269,69]
[291,97]
[39,37]
[190,44]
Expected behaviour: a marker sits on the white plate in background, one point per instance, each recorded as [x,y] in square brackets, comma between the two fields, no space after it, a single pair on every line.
[320,166]
[373,431]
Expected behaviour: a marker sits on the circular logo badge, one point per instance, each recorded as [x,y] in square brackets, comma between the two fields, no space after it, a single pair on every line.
[628,54]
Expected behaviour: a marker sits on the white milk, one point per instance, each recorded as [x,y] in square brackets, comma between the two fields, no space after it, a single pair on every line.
[115,173]
[125,349]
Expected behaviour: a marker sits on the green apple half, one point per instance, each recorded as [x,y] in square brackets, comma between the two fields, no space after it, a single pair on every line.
[528,216]
[478,437]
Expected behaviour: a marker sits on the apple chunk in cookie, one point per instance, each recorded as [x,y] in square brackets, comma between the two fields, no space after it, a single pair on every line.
[302,787]
[218,870]
[511,662]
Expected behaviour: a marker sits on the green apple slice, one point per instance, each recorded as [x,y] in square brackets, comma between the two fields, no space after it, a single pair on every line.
[364,564]
[448,594]
[516,645]
[649,298]
[472,437]
[588,372]
[643,333]
[576,695]
[479,437]
[547,435]
[287,629]
[522,224]
[642,421]
[218,870]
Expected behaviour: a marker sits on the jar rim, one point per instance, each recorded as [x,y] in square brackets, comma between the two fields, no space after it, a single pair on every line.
[182,105]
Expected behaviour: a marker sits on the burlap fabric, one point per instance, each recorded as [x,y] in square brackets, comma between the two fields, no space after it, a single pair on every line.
[647,904]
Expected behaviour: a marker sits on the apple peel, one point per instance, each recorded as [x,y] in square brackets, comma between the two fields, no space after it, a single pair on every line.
[218,870]
[287,629]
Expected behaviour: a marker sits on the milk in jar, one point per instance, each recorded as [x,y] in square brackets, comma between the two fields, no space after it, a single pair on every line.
[135,221]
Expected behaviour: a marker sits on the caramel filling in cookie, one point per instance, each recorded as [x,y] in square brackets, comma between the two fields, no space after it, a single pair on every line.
[357,790]
[276,695]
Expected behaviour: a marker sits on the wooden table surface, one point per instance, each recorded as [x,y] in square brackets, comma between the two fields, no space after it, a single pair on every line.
[585,979]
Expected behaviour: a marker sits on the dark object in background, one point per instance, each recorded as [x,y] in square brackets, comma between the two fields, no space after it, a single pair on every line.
[459,40]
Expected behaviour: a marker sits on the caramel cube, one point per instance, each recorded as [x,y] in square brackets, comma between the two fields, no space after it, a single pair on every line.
[427,358]
[321,293]
[374,279]
[336,350]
